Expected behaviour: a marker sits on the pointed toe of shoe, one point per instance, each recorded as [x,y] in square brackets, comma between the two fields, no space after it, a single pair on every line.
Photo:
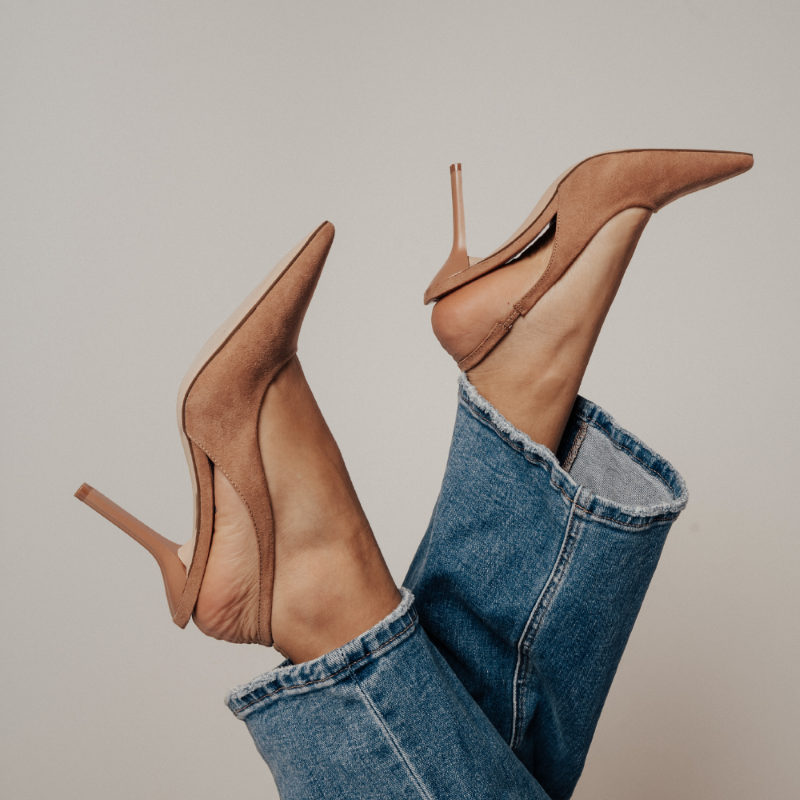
[731,164]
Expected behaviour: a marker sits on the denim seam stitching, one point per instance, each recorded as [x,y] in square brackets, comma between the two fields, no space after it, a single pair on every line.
[332,674]
[535,619]
[580,436]
[539,461]
[665,517]
[401,754]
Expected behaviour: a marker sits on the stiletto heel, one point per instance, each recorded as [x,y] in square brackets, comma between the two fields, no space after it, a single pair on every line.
[580,202]
[163,550]
[218,407]
[458,260]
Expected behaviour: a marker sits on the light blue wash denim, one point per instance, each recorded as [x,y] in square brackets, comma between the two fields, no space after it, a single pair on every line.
[490,683]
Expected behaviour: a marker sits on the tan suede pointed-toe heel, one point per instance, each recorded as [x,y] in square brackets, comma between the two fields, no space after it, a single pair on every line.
[580,202]
[218,409]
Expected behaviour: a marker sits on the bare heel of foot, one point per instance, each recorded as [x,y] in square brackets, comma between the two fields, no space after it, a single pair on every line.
[533,375]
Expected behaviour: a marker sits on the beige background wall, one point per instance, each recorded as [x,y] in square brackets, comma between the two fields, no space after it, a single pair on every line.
[158,157]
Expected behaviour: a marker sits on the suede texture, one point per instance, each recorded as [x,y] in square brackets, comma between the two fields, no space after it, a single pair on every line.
[222,406]
[586,199]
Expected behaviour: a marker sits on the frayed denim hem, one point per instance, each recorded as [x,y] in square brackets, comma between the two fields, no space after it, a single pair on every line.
[289,678]
[621,480]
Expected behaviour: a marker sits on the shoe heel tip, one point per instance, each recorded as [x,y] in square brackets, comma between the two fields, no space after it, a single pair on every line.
[83,492]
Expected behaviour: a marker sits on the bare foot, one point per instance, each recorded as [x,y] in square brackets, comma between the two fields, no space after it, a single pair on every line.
[533,375]
[331,582]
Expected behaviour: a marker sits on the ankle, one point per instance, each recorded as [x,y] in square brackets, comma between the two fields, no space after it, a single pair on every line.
[327,596]
[538,402]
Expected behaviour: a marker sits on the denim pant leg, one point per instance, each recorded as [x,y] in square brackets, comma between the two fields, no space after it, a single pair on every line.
[381,718]
[531,574]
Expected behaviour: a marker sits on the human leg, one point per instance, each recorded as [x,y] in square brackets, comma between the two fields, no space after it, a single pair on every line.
[534,373]
[379,714]
[533,568]
[249,413]
[383,717]
[531,574]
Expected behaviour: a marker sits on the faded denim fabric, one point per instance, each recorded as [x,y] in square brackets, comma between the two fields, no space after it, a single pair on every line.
[490,684]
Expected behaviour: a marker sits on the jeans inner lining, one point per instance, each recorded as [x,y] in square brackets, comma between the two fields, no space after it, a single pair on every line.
[612,473]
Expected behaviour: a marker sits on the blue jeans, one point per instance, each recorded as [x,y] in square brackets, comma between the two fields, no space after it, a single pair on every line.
[490,683]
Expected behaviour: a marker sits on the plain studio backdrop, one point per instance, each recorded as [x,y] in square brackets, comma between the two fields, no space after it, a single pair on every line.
[158,158]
